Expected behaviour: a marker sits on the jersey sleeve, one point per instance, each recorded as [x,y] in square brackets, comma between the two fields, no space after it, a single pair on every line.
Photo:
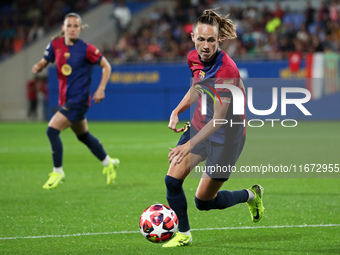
[227,75]
[93,54]
[49,53]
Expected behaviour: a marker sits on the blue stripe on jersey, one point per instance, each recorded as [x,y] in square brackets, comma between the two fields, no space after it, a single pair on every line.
[211,70]
[78,82]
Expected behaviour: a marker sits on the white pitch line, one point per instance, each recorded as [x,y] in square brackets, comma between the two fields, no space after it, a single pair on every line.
[195,229]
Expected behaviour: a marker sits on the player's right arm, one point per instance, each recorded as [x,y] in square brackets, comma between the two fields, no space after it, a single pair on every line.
[49,56]
[38,67]
[189,99]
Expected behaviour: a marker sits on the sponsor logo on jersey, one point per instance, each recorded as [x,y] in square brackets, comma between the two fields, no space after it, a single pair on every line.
[228,81]
[203,91]
[66,69]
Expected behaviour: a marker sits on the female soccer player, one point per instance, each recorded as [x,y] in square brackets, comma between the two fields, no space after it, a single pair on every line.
[74,60]
[220,145]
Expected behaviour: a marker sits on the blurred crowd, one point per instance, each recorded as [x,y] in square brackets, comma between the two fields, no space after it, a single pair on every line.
[23,21]
[263,33]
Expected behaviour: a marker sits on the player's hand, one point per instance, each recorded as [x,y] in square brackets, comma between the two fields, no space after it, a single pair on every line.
[179,153]
[173,123]
[36,68]
[98,96]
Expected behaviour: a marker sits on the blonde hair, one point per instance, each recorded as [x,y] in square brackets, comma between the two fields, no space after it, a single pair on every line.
[226,28]
[73,15]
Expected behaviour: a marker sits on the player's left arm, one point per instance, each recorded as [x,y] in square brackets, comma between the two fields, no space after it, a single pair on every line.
[99,95]
[220,111]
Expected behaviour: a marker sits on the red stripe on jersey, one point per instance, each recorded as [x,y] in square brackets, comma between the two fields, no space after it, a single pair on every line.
[59,50]
[196,66]
[92,53]
[230,70]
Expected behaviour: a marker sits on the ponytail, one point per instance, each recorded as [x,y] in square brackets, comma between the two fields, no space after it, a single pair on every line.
[226,28]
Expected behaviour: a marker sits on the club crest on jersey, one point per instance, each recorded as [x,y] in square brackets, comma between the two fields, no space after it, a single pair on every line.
[66,69]
[201,74]
[67,55]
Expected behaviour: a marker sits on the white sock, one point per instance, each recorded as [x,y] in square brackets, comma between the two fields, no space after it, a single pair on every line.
[106,161]
[187,233]
[58,170]
[251,195]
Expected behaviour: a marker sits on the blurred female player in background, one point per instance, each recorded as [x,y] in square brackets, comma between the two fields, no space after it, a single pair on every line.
[74,60]
[220,145]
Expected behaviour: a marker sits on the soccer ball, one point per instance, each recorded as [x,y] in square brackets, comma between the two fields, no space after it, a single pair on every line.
[158,223]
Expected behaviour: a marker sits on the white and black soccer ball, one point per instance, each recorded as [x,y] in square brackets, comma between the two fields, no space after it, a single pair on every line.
[158,223]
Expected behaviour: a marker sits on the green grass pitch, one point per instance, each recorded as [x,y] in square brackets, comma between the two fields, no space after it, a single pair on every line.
[85,216]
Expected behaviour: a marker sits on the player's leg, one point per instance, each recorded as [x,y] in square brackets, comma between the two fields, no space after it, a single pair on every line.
[174,185]
[58,123]
[177,199]
[81,130]
[209,197]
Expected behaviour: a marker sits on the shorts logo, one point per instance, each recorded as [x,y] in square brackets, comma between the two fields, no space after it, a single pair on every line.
[67,55]
[186,126]
[66,69]
[201,75]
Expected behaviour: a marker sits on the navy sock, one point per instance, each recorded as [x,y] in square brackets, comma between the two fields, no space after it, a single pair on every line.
[224,199]
[57,146]
[177,201]
[93,144]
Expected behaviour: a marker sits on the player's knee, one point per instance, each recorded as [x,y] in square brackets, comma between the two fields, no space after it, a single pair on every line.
[52,132]
[202,205]
[83,137]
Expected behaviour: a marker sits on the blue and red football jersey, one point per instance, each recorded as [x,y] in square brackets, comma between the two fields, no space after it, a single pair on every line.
[222,70]
[74,64]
